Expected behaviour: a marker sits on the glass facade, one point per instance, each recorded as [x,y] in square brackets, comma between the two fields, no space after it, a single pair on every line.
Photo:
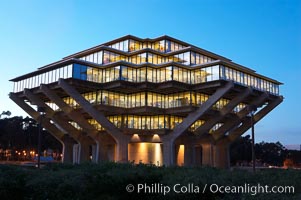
[180,74]
[149,74]
[142,99]
[95,57]
[246,79]
[158,122]
[189,58]
[131,45]
[153,122]
[43,78]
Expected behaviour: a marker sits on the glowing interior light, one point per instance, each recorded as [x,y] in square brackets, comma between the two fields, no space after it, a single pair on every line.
[146,153]
[180,157]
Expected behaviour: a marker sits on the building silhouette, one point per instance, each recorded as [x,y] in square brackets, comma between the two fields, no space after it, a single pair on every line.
[161,101]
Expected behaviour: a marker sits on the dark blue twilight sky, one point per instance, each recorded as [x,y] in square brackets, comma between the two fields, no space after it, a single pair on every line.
[262,35]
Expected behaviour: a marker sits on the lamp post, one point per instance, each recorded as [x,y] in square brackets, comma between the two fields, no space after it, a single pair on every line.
[253,140]
[41,111]
[252,110]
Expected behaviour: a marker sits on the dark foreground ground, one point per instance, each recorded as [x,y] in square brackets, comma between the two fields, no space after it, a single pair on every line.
[128,181]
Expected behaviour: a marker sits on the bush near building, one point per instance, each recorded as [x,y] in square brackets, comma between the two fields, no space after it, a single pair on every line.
[109,181]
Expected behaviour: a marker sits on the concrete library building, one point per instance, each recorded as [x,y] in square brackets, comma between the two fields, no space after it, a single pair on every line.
[160,101]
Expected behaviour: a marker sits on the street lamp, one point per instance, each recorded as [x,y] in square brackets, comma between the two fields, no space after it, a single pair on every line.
[252,109]
[41,111]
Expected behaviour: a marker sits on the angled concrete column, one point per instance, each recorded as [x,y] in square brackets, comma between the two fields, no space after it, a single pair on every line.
[67,143]
[79,119]
[232,123]
[225,110]
[88,107]
[77,135]
[71,130]
[194,116]
[57,133]
[120,138]
[168,140]
[233,135]
[221,156]
[70,112]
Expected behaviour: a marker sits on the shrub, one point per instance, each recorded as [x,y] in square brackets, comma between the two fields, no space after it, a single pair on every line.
[109,180]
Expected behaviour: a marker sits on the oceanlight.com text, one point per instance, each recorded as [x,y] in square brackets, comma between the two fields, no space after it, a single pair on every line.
[191,188]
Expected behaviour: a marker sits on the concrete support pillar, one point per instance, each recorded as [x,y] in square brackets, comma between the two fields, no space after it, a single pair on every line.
[95,154]
[111,152]
[168,153]
[76,154]
[177,160]
[84,152]
[81,152]
[198,155]
[207,154]
[188,155]
[221,156]
[100,152]
[68,151]
[122,149]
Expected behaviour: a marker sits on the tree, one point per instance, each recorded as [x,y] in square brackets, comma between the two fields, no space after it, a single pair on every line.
[271,153]
[7,113]
[241,150]
[18,133]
